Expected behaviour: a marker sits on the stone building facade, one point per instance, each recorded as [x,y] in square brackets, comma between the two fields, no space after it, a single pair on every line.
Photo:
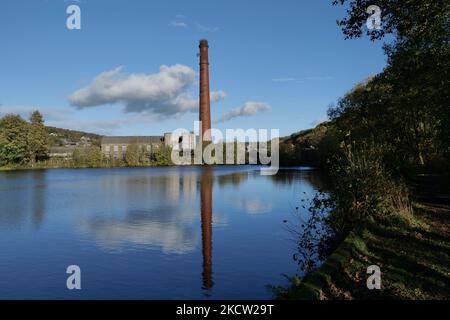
[116,146]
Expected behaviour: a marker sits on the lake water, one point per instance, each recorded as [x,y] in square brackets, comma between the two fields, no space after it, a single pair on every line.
[149,233]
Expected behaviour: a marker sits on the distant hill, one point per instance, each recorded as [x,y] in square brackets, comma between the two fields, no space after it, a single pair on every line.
[307,139]
[63,137]
[309,147]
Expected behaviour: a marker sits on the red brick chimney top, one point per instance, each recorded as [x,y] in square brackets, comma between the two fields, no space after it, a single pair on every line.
[203,43]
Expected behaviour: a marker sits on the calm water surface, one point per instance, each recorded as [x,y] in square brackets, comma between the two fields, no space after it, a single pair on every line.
[148,233]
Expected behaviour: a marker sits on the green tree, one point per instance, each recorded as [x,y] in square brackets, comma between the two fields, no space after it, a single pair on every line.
[38,138]
[415,96]
[14,147]
[133,155]
[94,157]
[78,157]
[415,23]
[163,156]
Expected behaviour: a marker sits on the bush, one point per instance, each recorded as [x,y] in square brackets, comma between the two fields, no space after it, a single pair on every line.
[94,157]
[363,189]
[88,157]
[135,155]
[78,157]
[163,156]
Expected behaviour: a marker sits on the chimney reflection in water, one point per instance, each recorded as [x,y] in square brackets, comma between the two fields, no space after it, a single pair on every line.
[206,185]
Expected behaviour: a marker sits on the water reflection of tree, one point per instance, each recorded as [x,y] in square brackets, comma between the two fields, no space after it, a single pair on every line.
[235,178]
[285,176]
[22,194]
[38,195]
[316,178]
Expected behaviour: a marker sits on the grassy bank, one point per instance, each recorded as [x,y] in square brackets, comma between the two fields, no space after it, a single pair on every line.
[413,254]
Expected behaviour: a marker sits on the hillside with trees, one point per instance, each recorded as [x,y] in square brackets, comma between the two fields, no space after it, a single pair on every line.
[311,147]
[60,137]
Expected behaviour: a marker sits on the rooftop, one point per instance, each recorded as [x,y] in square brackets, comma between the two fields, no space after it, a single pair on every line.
[132,139]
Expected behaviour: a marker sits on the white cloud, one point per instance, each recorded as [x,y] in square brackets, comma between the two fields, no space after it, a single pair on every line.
[138,91]
[217,96]
[203,28]
[248,109]
[164,93]
[144,228]
[102,127]
[178,24]
[64,118]
[254,206]
[49,114]
[283,79]
[318,78]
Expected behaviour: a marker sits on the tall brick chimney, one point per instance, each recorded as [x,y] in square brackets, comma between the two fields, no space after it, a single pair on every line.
[205,103]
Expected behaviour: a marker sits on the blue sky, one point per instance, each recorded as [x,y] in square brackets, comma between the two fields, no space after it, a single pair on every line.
[285,60]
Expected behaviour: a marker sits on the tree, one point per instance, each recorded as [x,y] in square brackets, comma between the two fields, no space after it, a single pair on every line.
[163,156]
[13,140]
[94,157]
[405,107]
[78,157]
[415,23]
[38,138]
[133,155]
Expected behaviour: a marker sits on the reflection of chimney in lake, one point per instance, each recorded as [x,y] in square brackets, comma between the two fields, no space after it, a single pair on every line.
[206,184]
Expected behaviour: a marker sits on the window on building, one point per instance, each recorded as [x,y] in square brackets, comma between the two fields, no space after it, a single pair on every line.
[116,148]
[124,148]
[107,148]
